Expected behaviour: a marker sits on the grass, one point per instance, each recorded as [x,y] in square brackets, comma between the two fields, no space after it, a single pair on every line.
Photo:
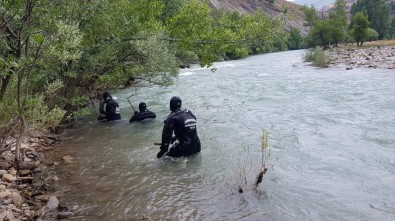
[379,43]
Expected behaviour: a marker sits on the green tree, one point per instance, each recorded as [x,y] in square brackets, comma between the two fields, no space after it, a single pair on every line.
[310,16]
[360,28]
[338,22]
[378,13]
[295,39]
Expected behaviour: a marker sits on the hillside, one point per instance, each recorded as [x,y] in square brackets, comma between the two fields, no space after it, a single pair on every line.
[294,17]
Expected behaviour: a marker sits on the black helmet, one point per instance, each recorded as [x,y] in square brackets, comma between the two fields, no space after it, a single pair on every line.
[175,103]
[106,94]
[142,106]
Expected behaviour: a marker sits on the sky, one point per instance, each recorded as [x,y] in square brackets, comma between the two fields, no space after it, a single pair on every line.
[317,3]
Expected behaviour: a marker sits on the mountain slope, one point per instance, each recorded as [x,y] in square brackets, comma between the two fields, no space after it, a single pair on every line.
[294,17]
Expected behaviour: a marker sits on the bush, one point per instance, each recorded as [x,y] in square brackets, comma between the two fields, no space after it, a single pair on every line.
[318,57]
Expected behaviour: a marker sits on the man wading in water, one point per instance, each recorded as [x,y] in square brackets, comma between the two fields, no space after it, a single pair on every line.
[109,108]
[183,123]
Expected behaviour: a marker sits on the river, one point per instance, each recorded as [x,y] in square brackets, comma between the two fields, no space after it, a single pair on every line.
[331,138]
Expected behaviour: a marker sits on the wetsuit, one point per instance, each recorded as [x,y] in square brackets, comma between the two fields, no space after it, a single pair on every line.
[111,111]
[142,115]
[183,123]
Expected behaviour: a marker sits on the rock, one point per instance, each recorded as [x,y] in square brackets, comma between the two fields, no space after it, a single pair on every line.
[43,198]
[6,214]
[27,165]
[9,177]
[7,201]
[348,68]
[52,203]
[68,159]
[4,165]
[2,187]
[17,199]
[24,172]
[3,172]
[5,194]
[65,215]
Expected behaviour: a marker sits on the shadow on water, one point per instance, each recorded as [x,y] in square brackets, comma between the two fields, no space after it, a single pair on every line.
[331,136]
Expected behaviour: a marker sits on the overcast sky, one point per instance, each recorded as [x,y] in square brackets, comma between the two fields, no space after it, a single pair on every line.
[317,3]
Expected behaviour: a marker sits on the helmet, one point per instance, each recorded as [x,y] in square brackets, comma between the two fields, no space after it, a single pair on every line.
[142,106]
[175,103]
[106,94]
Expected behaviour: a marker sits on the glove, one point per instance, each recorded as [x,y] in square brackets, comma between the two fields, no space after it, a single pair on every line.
[160,154]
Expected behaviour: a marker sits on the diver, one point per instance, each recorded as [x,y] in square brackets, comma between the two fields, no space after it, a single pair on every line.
[183,123]
[109,108]
[143,114]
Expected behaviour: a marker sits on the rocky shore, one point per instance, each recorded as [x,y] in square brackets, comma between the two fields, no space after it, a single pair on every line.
[370,57]
[30,194]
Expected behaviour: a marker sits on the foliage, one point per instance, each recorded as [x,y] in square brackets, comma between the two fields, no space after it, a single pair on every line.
[360,28]
[295,39]
[378,14]
[74,49]
[317,56]
[310,16]
[327,31]
[246,168]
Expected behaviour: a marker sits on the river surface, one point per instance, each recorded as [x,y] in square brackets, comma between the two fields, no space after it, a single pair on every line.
[331,138]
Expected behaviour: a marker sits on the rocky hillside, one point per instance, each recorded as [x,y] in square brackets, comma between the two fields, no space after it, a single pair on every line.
[294,17]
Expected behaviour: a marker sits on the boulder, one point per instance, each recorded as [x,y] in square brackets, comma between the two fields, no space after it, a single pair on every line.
[17,199]
[5,194]
[52,203]
[9,177]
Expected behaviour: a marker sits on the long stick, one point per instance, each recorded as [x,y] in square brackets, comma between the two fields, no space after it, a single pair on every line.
[131,103]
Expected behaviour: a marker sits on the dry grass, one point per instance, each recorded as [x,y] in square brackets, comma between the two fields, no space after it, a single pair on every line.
[379,43]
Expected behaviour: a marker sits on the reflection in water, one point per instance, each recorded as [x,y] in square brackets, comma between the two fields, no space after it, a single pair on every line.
[331,135]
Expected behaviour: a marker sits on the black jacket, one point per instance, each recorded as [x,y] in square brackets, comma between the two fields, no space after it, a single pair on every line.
[142,115]
[183,123]
[111,111]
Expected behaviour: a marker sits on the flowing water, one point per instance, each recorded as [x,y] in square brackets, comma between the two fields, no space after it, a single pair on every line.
[331,136]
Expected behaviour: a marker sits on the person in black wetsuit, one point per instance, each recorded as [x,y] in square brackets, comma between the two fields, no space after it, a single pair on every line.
[110,109]
[183,123]
[143,114]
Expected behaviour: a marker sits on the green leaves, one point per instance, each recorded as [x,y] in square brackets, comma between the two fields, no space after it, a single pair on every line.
[38,39]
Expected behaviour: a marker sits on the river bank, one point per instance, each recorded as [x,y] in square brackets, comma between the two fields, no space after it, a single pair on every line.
[373,55]
[31,193]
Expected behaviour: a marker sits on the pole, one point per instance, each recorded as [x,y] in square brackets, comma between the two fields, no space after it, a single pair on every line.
[131,103]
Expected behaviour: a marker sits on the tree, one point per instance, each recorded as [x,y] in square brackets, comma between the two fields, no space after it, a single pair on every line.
[360,28]
[378,13]
[310,16]
[295,39]
[338,18]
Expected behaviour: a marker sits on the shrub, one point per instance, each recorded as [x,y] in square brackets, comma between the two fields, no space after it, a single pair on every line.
[317,56]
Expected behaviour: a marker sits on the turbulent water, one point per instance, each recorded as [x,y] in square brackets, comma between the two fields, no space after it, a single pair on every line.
[331,137]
